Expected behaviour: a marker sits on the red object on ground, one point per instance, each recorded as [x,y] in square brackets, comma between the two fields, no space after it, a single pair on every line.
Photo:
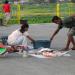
[1,45]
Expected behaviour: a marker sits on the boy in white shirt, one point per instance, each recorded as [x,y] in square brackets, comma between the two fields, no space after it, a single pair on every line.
[19,36]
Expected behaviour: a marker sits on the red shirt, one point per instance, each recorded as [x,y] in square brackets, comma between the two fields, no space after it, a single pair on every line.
[6,8]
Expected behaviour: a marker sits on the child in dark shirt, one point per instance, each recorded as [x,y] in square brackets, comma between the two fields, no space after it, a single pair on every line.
[69,23]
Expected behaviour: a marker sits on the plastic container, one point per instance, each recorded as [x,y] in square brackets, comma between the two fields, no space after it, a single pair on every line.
[41,43]
[2,50]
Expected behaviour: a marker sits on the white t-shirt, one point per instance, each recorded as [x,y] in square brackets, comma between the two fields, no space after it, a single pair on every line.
[15,35]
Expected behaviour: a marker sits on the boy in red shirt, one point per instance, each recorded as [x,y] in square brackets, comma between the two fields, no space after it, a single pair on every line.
[6,10]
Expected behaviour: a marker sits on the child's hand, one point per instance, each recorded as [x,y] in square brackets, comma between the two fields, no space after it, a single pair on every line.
[51,40]
[33,41]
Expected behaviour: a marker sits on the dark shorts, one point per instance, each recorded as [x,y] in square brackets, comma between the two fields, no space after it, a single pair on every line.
[72,31]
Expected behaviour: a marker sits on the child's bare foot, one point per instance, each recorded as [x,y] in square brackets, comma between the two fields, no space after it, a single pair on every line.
[11,49]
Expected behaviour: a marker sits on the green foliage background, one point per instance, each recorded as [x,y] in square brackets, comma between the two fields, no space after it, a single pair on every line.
[38,13]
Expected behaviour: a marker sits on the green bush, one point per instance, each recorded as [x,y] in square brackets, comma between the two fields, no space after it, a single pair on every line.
[38,19]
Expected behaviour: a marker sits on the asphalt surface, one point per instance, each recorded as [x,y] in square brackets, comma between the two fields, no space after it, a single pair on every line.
[14,64]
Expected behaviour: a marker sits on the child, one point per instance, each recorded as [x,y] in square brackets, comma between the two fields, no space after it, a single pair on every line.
[19,36]
[6,10]
[67,22]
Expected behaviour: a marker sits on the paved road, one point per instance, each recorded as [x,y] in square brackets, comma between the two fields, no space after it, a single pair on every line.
[14,64]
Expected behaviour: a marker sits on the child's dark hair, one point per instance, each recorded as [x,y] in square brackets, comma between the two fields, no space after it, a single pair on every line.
[55,18]
[6,2]
[23,27]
